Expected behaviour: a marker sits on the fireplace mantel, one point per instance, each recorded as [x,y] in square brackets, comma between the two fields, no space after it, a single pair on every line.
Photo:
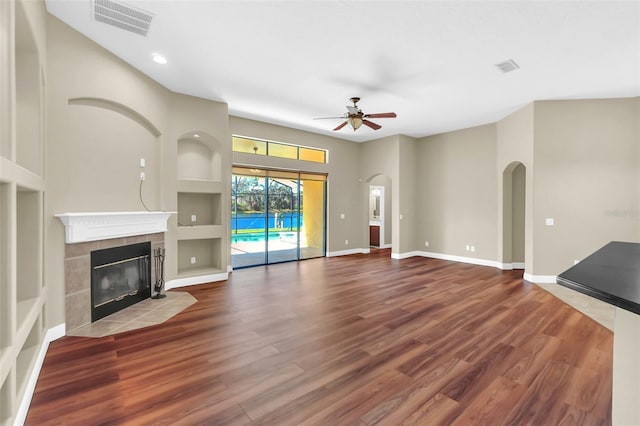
[93,226]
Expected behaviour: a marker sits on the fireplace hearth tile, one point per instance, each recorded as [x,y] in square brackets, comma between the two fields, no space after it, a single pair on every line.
[78,308]
[75,270]
[143,314]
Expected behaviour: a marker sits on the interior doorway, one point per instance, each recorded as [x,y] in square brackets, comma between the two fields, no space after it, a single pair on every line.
[376,216]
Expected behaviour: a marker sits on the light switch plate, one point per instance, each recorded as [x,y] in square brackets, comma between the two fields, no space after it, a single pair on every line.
[549,221]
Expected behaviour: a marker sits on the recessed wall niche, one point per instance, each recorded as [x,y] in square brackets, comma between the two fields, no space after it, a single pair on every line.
[6,206]
[5,80]
[29,249]
[198,209]
[197,256]
[199,158]
[28,96]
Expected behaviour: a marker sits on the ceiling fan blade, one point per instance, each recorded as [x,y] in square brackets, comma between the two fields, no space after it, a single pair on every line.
[351,109]
[382,115]
[341,126]
[371,124]
[329,118]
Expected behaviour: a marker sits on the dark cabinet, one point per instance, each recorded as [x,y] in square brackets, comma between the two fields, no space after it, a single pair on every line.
[374,235]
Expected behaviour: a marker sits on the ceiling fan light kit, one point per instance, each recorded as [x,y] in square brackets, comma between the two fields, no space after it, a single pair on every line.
[356,118]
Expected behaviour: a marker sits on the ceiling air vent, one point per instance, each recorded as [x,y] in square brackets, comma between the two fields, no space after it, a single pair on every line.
[507,66]
[122,16]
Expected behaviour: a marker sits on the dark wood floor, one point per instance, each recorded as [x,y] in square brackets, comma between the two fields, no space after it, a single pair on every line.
[358,339]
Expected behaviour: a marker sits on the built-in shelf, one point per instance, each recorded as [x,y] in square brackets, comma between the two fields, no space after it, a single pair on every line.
[22,190]
[29,245]
[28,90]
[198,209]
[94,226]
[5,399]
[199,185]
[6,265]
[199,232]
[27,357]
[199,272]
[205,252]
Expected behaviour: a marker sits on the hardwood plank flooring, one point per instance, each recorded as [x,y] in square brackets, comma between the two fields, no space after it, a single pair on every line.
[351,340]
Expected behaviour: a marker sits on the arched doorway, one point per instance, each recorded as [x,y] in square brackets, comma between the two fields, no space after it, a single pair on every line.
[513,224]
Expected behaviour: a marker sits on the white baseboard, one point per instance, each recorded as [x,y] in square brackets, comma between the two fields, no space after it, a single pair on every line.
[348,252]
[405,255]
[385,246]
[540,279]
[510,266]
[462,259]
[476,261]
[201,279]
[52,334]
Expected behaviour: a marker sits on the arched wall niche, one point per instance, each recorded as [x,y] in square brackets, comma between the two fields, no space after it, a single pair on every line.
[119,108]
[514,213]
[199,157]
[104,143]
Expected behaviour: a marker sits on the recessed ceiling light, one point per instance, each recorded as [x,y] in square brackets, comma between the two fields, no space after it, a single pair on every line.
[196,135]
[159,59]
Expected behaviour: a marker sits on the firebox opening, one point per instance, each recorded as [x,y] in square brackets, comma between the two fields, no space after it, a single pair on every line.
[120,277]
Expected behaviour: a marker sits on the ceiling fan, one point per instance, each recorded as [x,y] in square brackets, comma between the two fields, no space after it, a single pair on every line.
[357,118]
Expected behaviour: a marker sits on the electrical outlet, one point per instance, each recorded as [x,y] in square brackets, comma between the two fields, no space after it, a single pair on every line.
[426,243]
[468,247]
[346,242]
[193,218]
[142,162]
[473,248]
[142,176]
[341,215]
[193,260]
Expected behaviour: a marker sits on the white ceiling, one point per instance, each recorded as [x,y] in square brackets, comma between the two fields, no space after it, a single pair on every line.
[286,62]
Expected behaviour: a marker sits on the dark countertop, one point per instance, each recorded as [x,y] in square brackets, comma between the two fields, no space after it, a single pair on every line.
[611,274]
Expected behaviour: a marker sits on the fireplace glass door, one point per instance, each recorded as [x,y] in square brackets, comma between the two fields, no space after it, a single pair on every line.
[120,277]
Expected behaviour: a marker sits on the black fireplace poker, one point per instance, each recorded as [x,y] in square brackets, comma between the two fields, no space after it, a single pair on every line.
[158,263]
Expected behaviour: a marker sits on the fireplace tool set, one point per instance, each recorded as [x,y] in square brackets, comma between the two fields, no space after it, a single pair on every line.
[158,264]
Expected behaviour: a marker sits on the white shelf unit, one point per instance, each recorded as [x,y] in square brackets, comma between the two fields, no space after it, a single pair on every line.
[23,322]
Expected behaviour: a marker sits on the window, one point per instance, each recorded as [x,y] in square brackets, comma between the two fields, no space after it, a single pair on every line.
[279,149]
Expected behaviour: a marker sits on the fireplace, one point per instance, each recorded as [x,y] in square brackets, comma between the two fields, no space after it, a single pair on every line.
[120,277]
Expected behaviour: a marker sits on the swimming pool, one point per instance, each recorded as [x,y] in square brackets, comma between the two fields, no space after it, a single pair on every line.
[260,237]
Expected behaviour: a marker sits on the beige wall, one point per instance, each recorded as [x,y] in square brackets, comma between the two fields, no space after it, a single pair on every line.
[343,186]
[586,178]
[378,162]
[103,117]
[515,146]
[449,188]
[518,188]
[406,189]
[456,196]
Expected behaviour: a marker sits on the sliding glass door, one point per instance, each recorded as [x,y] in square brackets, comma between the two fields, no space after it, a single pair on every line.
[277,216]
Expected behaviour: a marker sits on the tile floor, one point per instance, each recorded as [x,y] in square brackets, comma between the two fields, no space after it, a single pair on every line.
[599,311]
[142,314]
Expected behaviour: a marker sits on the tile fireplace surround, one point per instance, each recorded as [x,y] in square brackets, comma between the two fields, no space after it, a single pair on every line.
[77,270]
